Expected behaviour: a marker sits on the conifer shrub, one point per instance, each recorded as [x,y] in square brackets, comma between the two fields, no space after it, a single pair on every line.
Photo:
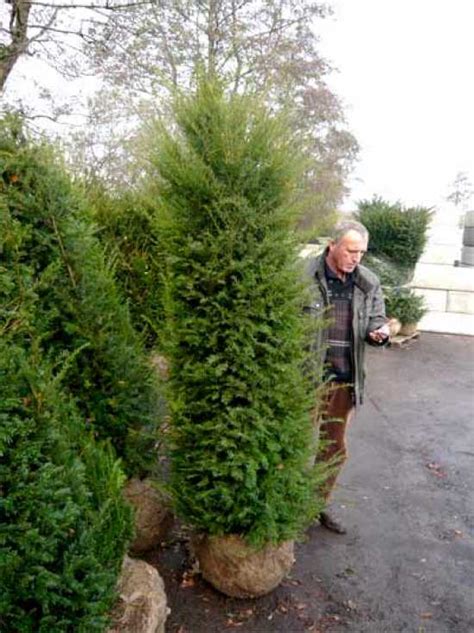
[398,232]
[389,272]
[61,291]
[64,526]
[241,435]
[130,234]
[404,304]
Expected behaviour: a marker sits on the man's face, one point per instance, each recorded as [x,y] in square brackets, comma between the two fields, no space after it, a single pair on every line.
[346,254]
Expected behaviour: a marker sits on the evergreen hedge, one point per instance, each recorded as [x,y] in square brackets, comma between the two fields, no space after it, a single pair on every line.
[397,232]
[61,291]
[241,434]
[64,526]
[129,232]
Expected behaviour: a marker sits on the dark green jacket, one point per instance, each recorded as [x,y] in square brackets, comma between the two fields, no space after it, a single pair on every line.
[368,314]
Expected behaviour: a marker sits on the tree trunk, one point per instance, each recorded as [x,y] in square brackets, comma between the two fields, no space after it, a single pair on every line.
[18,29]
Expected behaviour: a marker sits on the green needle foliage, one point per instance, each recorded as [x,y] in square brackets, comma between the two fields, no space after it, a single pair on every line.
[64,526]
[404,305]
[241,435]
[396,232]
[389,272]
[128,231]
[55,286]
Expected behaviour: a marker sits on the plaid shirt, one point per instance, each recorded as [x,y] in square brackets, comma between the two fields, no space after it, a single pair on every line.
[339,353]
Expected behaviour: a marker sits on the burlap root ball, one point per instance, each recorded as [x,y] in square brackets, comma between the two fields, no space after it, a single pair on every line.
[240,571]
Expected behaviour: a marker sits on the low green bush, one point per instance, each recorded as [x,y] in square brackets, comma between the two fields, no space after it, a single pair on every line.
[241,433]
[64,527]
[56,287]
[396,232]
[404,305]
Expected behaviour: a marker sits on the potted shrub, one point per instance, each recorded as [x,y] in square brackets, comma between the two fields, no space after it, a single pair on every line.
[240,435]
[406,306]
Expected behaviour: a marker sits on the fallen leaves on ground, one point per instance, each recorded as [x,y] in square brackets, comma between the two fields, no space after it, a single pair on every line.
[293,582]
[230,622]
[238,619]
[436,469]
[188,580]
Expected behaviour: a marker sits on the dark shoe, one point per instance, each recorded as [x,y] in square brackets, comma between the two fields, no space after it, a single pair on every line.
[331,523]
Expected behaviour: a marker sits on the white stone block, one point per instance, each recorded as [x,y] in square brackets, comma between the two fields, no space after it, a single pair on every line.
[435,299]
[460,302]
[441,254]
[311,250]
[443,277]
[447,323]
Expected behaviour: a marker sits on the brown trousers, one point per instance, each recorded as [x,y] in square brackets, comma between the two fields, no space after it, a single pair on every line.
[337,412]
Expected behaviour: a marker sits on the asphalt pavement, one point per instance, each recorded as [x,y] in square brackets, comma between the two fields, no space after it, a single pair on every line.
[406,496]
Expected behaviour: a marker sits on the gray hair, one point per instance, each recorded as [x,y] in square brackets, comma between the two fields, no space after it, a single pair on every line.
[345,226]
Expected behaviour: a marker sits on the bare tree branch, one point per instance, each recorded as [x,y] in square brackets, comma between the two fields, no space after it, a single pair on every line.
[108,6]
[43,29]
[19,40]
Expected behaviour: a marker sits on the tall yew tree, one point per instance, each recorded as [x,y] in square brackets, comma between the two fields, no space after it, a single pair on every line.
[62,292]
[240,437]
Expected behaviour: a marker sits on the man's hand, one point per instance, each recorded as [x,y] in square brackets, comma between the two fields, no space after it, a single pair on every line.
[380,335]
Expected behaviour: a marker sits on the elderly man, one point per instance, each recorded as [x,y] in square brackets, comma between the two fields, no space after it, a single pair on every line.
[350,295]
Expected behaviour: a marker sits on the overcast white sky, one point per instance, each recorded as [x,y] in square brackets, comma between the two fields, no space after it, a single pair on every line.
[406,78]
